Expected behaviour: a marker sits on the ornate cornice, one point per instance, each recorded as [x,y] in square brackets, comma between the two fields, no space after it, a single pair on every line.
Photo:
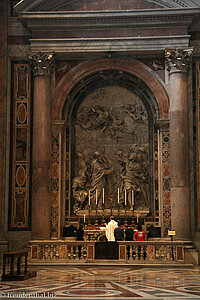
[136,18]
[45,5]
[178,59]
[73,46]
[42,63]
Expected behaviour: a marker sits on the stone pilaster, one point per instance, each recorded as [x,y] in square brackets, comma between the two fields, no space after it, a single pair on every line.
[41,167]
[178,60]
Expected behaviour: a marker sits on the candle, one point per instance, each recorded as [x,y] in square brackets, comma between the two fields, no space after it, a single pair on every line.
[137,219]
[96,197]
[125,196]
[89,197]
[132,197]
[84,218]
[118,195]
[103,195]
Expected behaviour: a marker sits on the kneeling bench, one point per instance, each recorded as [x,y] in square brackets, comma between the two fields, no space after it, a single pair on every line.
[16,274]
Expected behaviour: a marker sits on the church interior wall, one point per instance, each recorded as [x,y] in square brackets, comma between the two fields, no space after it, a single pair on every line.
[17,45]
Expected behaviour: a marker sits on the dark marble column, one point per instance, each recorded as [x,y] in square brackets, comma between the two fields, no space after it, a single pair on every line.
[41,165]
[178,60]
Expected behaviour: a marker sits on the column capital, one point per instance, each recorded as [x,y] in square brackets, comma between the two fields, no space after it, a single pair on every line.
[178,59]
[42,63]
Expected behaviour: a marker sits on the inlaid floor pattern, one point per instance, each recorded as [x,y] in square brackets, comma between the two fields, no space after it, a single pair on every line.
[106,282]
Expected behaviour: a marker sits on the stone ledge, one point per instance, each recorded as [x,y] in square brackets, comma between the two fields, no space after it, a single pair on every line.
[72,45]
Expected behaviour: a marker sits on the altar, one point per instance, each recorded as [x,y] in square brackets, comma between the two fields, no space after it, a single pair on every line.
[95,234]
[106,250]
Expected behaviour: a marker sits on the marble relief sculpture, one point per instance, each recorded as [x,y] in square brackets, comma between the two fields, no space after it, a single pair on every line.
[111,150]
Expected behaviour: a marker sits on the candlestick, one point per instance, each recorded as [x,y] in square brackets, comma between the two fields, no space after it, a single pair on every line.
[133,197]
[125,197]
[103,220]
[118,195]
[103,195]
[125,223]
[89,221]
[96,196]
[89,197]
[137,219]
[84,218]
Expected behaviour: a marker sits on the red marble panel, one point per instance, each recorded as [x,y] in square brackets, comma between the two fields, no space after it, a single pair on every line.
[22,81]
[54,199]
[150,252]
[20,207]
[21,113]
[166,197]
[90,252]
[62,252]
[55,171]
[166,181]
[166,170]
[21,143]
[20,151]
[21,176]
[2,28]
[122,252]
[179,252]
[34,251]
[55,186]
[2,89]
[198,136]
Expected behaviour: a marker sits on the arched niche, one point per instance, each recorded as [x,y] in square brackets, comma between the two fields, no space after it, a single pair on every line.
[96,80]
[110,116]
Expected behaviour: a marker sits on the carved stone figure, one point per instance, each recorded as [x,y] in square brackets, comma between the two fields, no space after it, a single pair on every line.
[79,190]
[111,149]
[100,168]
[134,174]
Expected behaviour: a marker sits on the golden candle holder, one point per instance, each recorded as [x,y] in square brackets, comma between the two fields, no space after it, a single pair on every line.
[118,215]
[96,221]
[103,220]
[111,199]
[125,223]
[133,223]
[89,219]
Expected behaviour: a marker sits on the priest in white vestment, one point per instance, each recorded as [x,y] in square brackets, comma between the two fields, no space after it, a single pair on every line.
[110,229]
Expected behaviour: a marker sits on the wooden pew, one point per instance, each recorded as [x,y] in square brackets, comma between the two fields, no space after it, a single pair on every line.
[15,260]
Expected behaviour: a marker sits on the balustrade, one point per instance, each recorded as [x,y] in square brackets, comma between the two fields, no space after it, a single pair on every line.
[131,252]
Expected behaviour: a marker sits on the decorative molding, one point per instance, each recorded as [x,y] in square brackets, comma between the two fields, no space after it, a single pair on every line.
[98,19]
[72,45]
[42,63]
[178,59]
[45,5]
[162,123]
[20,149]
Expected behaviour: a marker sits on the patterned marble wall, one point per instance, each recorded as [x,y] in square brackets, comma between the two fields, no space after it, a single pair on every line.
[20,145]
[198,140]
[166,181]
[2,90]
[55,185]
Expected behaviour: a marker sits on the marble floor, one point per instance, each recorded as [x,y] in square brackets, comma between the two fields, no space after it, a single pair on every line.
[106,282]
